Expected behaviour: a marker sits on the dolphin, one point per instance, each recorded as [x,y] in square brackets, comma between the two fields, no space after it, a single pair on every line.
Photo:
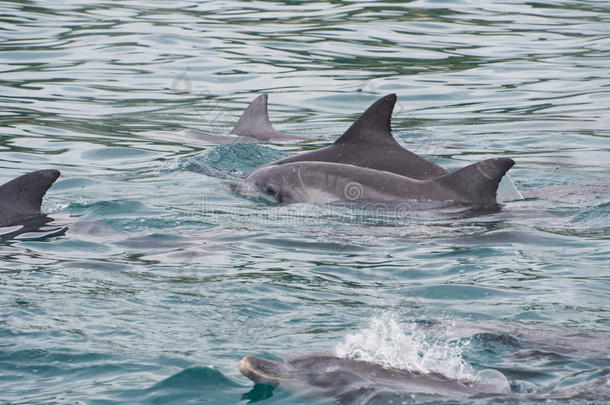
[353,381]
[347,379]
[322,182]
[252,127]
[21,198]
[369,143]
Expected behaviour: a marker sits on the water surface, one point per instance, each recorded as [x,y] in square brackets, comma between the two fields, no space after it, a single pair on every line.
[165,279]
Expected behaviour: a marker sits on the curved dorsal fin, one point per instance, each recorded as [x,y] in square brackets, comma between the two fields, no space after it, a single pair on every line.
[479,181]
[374,124]
[255,120]
[21,198]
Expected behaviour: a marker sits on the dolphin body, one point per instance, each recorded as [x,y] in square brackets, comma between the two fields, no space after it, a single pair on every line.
[352,381]
[321,182]
[252,127]
[369,143]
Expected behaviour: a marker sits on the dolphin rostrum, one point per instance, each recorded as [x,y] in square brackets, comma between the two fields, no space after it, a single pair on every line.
[322,182]
[343,378]
[253,126]
[21,198]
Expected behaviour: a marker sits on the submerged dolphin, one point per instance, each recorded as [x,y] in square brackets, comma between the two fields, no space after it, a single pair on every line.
[253,126]
[321,182]
[369,143]
[347,379]
[21,198]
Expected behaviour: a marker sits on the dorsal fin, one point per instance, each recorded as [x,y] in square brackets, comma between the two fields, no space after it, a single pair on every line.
[374,124]
[477,183]
[254,122]
[21,198]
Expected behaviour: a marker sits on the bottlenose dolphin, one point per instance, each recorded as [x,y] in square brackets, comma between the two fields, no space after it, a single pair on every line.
[352,381]
[21,198]
[347,379]
[253,126]
[369,143]
[322,182]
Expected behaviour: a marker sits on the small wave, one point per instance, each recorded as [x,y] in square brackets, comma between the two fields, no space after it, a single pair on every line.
[194,378]
[235,158]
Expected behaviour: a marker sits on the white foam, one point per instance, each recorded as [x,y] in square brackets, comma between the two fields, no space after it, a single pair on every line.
[407,346]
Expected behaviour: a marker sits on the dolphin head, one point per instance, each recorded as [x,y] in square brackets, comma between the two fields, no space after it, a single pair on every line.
[284,184]
[263,371]
[271,183]
[290,183]
[262,182]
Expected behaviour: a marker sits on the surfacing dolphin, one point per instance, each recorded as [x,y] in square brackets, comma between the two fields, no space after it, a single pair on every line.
[20,201]
[369,143]
[252,127]
[321,182]
[351,381]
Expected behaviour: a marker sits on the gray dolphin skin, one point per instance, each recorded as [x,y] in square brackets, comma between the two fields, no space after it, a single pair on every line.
[321,182]
[253,126]
[369,142]
[329,375]
[21,198]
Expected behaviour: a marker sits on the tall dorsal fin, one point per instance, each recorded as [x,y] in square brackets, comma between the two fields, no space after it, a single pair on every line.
[374,124]
[477,183]
[254,122]
[21,198]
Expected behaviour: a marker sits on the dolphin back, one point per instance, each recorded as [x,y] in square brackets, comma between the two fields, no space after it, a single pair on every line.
[477,183]
[21,198]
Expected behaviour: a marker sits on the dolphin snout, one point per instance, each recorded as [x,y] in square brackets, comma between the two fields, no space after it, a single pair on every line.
[244,366]
[263,371]
[247,366]
[245,189]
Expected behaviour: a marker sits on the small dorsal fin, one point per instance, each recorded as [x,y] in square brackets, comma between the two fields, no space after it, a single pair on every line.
[21,198]
[374,124]
[478,182]
[254,122]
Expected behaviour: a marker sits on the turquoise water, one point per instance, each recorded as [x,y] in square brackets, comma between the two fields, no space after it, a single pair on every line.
[165,279]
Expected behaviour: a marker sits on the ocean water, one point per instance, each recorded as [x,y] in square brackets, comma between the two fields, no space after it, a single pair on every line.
[165,279]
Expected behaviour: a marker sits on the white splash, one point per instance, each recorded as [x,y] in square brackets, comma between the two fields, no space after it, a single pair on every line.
[507,191]
[408,346]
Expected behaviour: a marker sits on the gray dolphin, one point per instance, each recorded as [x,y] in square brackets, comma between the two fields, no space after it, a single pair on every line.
[369,143]
[21,198]
[253,126]
[348,379]
[322,182]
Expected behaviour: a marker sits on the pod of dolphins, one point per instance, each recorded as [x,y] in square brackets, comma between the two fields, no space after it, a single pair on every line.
[367,164]
[364,164]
